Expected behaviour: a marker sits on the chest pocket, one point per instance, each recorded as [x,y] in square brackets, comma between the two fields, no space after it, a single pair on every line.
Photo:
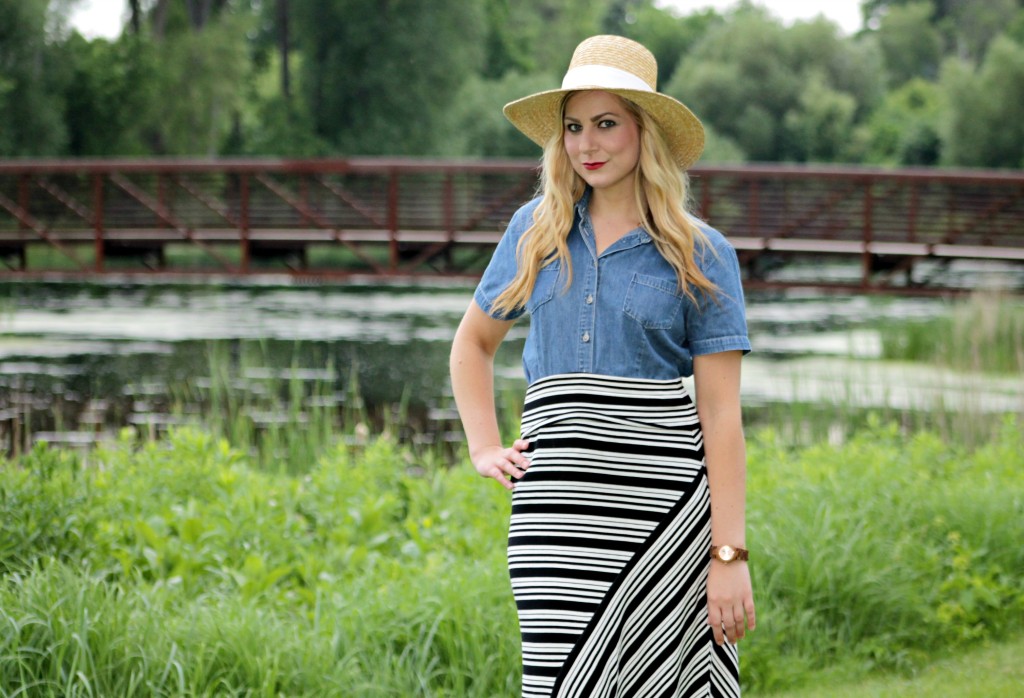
[548,279]
[652,301]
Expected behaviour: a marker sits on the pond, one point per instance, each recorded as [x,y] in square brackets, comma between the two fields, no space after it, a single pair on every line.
[79,361]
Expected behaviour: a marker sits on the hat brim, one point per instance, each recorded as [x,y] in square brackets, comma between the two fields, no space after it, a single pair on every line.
[539,117]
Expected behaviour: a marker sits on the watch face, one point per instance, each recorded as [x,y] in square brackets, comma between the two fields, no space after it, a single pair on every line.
[726,553]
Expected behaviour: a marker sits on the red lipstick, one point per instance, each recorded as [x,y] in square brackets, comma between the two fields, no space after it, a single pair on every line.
[593,165]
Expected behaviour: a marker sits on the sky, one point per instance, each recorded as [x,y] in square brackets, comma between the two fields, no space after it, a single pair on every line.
[103,18]
[845,13]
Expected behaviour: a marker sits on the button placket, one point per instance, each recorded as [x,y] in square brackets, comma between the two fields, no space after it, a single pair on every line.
[587,312]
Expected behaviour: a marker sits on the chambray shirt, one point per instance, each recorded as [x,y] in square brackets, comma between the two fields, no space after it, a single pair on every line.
[623,315]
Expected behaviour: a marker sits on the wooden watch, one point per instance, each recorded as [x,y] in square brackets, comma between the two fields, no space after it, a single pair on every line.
[727,553]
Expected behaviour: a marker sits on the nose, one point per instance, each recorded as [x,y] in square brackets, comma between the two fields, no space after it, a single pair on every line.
[587,144]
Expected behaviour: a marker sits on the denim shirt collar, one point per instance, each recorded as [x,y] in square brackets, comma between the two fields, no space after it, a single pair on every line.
[635,237]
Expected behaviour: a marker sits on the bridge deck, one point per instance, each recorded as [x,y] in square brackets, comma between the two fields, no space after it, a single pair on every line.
[388,217]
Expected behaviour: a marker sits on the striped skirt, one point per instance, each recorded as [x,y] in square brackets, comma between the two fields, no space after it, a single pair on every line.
[608,544]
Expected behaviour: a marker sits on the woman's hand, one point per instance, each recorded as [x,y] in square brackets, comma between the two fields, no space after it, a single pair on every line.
[730,601]
[502,463]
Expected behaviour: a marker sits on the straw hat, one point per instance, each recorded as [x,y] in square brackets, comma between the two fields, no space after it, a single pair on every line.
[621,66]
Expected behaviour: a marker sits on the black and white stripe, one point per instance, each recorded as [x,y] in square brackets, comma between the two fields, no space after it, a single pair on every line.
[608,543]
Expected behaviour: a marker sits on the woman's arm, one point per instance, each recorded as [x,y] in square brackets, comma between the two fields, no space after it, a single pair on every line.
[717,383]
[472,371]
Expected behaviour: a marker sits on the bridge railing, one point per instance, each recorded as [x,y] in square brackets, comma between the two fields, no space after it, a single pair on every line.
[407,217]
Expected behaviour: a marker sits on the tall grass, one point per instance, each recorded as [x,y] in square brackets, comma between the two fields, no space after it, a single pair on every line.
[286,407]
[182,568]
[985,333]
[884,551]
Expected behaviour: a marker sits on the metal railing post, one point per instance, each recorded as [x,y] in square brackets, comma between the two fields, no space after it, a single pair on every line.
[243,219]
[869,206]
[97,220]
[393,256]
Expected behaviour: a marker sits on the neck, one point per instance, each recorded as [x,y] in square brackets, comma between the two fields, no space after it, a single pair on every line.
[619,203]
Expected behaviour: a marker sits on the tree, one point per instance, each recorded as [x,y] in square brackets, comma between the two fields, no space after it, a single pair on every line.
[32,79]
[668,36]
[972,26]
[108,100]
[911,45]
[550,29]
[480,128]
[904,130]
[200,85]
[983,124]
[383,81]
[748,78]
[966,27]
[820,128]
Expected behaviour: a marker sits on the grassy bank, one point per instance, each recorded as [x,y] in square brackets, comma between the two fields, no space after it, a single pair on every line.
[178,568]
[993,669]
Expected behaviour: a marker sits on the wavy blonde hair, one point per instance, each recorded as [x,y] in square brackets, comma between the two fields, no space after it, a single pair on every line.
[661,190]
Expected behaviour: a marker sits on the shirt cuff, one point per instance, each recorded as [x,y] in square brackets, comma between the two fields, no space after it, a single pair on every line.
[720,344]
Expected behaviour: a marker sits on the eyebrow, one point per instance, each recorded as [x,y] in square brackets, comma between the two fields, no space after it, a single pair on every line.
[594,119]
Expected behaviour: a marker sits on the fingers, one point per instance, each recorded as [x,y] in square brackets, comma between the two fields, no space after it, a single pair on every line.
[739,628]
[506,465]
[731,625]
[521,444]
[715,621]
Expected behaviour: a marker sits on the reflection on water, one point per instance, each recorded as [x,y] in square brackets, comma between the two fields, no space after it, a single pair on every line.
[111,353]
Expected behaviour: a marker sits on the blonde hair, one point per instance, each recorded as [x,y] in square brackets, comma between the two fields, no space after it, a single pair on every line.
[661,195]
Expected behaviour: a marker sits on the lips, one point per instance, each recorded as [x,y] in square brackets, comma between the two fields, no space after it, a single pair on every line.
[593,165]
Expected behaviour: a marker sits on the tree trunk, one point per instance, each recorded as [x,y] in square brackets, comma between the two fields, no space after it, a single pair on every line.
[136,16]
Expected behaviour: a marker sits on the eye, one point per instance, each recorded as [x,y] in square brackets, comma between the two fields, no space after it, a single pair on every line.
[573,127]
[606,123]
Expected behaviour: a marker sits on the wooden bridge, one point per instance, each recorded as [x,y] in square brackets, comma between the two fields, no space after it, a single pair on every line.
[389,218]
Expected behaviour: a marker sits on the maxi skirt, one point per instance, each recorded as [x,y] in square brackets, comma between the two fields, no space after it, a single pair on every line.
[608,544]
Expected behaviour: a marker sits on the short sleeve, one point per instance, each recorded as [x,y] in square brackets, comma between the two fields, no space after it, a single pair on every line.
[501,270]
[719,322]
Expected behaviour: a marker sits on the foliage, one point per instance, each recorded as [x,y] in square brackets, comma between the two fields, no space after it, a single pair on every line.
[175,568]
[344,77]
[406,60]
[822,124]
[378,565]
[778,92]
[199,87]
[668,36]
[481,128]
[112,88]
[882,551]
[32,79]
[911,44]
[905,127]
[980,126]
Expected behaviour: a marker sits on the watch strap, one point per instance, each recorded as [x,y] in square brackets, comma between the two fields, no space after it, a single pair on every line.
[741,554]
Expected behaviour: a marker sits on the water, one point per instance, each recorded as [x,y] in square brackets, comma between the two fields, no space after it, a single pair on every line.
[78,359]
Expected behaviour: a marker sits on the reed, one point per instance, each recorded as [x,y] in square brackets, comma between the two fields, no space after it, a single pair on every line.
[984,333]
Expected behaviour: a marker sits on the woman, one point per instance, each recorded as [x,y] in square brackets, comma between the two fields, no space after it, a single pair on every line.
[626,542]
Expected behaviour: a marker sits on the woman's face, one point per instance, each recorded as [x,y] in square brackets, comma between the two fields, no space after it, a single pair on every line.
[602,140]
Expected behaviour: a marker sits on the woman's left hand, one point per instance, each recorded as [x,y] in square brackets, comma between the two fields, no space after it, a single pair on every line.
[730,601]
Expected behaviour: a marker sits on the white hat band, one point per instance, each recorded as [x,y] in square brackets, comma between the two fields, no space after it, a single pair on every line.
[603,76]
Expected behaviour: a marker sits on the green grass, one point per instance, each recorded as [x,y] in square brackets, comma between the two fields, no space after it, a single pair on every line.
[993,669]
[983,333]
[181,567]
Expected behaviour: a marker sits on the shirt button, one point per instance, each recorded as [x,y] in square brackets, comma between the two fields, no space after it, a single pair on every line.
[586,336]
[590,298]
